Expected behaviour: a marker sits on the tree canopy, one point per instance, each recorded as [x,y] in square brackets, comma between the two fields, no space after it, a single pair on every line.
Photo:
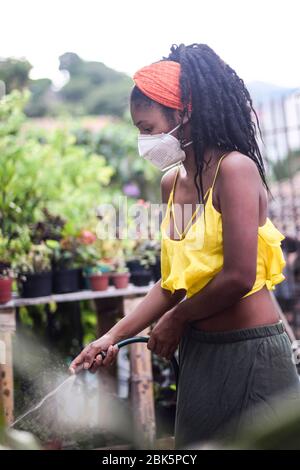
[92,87]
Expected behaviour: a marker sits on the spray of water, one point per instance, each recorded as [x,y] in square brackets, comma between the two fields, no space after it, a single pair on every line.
[66,407]
[49,395]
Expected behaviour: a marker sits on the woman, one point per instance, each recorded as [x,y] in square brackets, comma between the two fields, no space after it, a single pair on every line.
[195,115]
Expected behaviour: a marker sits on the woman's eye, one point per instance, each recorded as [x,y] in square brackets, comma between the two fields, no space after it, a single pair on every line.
[148,129]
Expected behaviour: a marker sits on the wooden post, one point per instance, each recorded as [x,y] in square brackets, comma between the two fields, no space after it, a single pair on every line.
[141,387]
[7,328]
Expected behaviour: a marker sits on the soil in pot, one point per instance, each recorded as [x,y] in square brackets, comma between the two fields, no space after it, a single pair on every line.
[99,281]
[66,280]
[5,289]
[36,284]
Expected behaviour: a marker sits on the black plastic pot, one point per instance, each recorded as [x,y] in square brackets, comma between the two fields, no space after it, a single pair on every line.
[36,285]
[156,270]
[82,283]
[141,278]
[66,280]
[134,265]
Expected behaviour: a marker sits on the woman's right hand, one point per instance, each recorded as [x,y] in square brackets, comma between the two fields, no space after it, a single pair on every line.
[90,357]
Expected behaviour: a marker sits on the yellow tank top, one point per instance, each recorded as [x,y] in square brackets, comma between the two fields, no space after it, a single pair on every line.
[191,262]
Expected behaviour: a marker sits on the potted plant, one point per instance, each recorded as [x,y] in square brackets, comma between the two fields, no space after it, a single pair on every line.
[66,261]
[120,275]
[98,279]
[140,264]
[6,272]
[90,254]
[112,252]
[6,281]
[34,276]
[152,253]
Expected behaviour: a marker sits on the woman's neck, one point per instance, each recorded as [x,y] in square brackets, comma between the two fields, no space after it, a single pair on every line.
[211,157]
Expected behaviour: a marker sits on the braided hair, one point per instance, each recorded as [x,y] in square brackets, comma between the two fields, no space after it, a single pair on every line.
[221,107]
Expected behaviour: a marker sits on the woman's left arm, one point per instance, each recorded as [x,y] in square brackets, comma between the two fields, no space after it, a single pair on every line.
[239,183]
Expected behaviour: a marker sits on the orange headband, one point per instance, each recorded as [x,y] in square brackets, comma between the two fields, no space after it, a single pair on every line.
[160,82]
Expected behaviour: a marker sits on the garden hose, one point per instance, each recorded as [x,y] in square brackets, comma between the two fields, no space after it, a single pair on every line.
[145,339]
[125,342]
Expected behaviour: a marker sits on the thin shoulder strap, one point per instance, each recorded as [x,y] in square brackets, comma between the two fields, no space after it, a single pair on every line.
[175,179]
[173,186]
[218,169]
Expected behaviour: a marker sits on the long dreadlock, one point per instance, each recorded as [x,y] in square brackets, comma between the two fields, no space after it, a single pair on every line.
[222,108]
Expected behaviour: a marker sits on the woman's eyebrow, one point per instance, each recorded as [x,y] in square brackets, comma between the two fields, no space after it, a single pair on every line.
[140,122]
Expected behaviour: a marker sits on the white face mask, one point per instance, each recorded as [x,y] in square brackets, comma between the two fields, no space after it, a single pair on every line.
[162,150]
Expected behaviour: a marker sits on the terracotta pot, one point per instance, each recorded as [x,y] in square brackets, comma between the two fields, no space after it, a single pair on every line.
[5,289]
[120,280]
[99,282]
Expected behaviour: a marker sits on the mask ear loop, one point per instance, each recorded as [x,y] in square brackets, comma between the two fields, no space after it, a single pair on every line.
[182,140]
[180,133]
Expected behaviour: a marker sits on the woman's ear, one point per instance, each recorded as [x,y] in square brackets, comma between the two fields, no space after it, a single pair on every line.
[185,119]
[184,116]
[181,116]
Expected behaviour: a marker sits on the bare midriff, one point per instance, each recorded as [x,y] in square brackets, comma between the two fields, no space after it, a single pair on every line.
[254,310]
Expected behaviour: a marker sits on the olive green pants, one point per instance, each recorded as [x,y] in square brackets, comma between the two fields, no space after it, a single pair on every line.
[222,375]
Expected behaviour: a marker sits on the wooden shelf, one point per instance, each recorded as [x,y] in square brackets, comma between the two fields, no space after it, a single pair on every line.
[78,295]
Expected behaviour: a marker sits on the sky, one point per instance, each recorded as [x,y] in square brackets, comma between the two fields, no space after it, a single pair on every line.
[259,38]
